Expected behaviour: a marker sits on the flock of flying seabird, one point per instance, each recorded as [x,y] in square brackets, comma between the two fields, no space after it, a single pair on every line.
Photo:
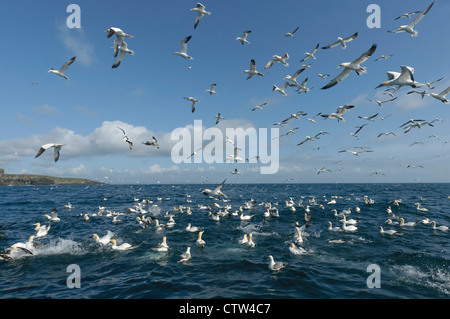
[395,80]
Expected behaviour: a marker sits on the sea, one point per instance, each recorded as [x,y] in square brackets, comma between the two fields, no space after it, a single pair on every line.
[68,263]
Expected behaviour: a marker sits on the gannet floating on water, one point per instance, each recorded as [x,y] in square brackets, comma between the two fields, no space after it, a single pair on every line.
[388,232]
[124,246]
[252,70]
[123,48]
[443,227]
[200,242]
[200,9]
[351,66]
[296,250]
[63,69]
[278,59]
[410,27]
[250,243]
[441,96]
[183,51]
[243,240]
[56,148]
[243,38]
[341,41]
[162,247]
[408,224]
[186,255]
[275,266]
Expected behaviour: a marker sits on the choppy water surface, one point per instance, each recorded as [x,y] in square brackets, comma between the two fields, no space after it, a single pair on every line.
[413,264]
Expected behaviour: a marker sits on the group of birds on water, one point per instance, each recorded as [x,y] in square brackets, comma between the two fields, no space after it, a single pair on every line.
[395,81]
[149,217]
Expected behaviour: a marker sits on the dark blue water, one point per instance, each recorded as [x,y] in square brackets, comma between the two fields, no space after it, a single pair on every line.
[413,264]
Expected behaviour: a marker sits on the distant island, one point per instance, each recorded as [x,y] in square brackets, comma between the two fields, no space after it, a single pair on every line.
[31,179]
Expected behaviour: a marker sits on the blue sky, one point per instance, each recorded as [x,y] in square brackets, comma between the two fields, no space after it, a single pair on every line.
[144,95]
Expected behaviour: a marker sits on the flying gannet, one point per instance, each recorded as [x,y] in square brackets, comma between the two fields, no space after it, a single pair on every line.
[400,79]
[154,142]
[216,192]
[293,77]
[120,35]
[194,102]
[351,66]
[243,38]
[252,70]
[212,90]
[183,51]
[278,59]
[291,34]
[63,69]
[410,27]
[126,139]
[200,9]
[310,54]
[123,48]
[441,96]
[341,41]
[56,147]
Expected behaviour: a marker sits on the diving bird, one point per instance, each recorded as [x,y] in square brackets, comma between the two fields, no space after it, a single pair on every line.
[278,59]
[212,90]
[194,102]
[63,69]
[243,38]
[351,66]
[341,41]
[56,148]
[123,48]
[291,34]
[410,27]
[154,142]
[120,35]
[216,192]
[441,96]
[183,51]
[200,9]
[310,54]
[252,70]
